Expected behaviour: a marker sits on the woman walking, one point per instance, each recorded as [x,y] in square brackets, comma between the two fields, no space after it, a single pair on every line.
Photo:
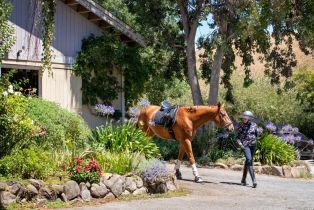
[246,138]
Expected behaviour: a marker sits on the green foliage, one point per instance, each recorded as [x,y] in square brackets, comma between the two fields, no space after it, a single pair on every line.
[305,88]
[6,31]
[273,150]
[168,149]
[15,125]
[48,10]
[269,106]
[123,138]
[66,130]
[97,61]
[84,170]
[117,162]
[28,163]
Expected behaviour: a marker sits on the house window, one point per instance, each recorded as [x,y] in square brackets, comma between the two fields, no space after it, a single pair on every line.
[28,80]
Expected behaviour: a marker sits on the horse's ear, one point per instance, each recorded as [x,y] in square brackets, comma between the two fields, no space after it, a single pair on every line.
[219,105]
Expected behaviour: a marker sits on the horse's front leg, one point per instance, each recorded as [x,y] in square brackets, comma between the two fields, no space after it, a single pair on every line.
[188,149]
[178,162]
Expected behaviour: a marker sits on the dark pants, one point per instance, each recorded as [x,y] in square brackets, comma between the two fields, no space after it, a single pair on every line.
[249,152]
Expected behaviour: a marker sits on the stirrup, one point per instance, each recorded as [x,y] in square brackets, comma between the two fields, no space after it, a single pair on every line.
[198,179]
[178,174]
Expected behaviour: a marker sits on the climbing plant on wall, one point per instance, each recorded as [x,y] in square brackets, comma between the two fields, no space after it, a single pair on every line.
[6,31]
[48,12]
[99,59]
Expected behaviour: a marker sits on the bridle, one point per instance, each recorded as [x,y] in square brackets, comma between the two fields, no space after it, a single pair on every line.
[222,116]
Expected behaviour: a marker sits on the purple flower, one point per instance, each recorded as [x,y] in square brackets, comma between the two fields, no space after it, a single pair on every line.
[295,130]
[286,129]
[134,111]
[270,126]
[104,110]
[153,170]
[144,102]
[298,138]
[311,142]
[259,130]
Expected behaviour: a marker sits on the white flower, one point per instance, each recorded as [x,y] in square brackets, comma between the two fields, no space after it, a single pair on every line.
[17,93]
[10,90]
[5,93]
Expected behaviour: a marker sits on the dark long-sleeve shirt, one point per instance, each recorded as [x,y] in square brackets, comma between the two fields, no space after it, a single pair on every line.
[247,133]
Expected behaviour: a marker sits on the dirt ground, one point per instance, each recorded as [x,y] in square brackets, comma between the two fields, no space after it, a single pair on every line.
[221,190]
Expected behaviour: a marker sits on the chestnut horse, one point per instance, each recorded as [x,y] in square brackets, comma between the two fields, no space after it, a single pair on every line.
[188,120]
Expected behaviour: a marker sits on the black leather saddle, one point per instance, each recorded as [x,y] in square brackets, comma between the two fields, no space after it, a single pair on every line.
[166,116]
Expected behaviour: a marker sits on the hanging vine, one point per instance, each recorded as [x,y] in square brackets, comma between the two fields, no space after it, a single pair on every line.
[48,13]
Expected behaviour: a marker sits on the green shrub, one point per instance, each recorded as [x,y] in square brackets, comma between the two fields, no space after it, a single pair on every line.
[84,170]
[28,163]
[122,138]
[66,130]
[273,150]
[117,162]
[16,128]
[168,149]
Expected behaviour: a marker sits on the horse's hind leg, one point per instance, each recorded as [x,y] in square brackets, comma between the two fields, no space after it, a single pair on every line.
[188,149]
[178,162]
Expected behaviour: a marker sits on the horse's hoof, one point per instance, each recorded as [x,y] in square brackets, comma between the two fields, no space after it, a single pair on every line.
[198,179]
[178,175]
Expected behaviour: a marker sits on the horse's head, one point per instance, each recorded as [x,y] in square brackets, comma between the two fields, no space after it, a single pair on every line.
[222,119]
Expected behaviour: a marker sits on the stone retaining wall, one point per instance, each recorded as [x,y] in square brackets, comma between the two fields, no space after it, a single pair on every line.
[284,171]
[110,186]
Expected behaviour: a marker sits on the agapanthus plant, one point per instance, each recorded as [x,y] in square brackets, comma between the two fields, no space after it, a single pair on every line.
[104,110]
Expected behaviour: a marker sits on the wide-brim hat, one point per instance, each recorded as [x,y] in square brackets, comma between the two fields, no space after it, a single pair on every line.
[247,115]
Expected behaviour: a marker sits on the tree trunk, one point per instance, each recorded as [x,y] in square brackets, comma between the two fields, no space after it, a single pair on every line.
[215,76]
[192,74]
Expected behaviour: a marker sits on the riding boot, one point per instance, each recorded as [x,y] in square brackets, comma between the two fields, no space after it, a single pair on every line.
[178,174]
[243,180]
[251,171]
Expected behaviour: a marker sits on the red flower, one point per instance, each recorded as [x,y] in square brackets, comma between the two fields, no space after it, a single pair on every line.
[78,169]
[86,168]
[78,160]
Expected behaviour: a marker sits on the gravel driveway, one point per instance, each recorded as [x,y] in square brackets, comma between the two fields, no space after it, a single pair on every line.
[221,190]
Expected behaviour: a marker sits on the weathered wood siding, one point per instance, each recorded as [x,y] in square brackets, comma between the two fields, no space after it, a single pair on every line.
[70,29]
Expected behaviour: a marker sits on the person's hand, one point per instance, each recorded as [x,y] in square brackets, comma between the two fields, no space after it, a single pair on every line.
[242,147]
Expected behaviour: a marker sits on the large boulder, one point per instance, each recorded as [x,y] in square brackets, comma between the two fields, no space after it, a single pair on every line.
[7,197]
[15,188]
[31,192]
[46,193]
[287,171]
[98,190]
[71,190]
[85,195]
[130,184]
[277,170]
[266,169]
[58,189]
[118,187]
[298,171]
[138,180]
[3,186]
[142,190]
[236,167]
[220,165]
[171,186]
[37,183]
